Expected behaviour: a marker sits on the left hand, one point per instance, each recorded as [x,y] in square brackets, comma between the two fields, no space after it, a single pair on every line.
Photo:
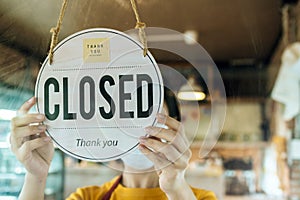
[169,150]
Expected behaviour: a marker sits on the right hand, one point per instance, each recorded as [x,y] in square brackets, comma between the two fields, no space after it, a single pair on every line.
[32,147]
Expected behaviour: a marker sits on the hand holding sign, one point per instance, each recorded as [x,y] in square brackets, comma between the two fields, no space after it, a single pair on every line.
[29,142]
[169,150]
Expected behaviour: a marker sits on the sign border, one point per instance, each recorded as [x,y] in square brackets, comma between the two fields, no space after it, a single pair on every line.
[92,30]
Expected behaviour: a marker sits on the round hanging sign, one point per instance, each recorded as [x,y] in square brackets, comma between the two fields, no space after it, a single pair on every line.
[99,94]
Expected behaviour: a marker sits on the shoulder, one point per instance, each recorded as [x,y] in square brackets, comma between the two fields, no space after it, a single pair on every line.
[204,194]
[91,192]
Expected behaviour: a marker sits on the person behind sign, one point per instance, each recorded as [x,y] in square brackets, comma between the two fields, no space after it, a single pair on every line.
[148,174]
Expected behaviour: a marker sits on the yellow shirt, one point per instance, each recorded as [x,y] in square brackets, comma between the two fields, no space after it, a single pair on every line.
[123,193]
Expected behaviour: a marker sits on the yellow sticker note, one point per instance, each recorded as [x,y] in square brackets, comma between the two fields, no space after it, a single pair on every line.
[96,50]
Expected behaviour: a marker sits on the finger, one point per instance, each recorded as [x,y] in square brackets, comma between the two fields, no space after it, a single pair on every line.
[43,134]
[31,145]
[26,106]
[166,134]
[168,150]
[14,143]
[173,124]
[27,119]
[22,134]
[157,158]
[170,122]
[170,136]
[26,131]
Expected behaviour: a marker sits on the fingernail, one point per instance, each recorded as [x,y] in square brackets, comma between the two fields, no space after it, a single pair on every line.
[31,100]
[142,139]
[161,116]
[41,127]
[47,139]
[40,116]
[141,147]
[148,129]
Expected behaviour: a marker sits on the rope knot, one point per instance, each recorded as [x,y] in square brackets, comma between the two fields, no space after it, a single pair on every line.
[140,25]
[54,30]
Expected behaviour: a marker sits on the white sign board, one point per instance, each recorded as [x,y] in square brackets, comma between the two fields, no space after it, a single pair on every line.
[99,94]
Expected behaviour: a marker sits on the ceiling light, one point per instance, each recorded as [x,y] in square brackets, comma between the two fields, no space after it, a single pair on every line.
[191,91]
[190,37]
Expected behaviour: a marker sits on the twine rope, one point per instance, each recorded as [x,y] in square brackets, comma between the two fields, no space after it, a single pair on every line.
[55,30]
[285,25]
[141,26]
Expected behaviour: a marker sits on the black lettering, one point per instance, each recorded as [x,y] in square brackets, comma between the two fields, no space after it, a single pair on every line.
[148,111]
[124,96]
[54,82]
[87,80]
[107,97]
[67,115]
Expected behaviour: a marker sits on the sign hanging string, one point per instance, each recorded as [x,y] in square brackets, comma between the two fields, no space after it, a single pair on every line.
[55,30]
[141,26]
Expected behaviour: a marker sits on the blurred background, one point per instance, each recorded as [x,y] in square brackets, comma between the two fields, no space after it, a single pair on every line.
[254,46]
